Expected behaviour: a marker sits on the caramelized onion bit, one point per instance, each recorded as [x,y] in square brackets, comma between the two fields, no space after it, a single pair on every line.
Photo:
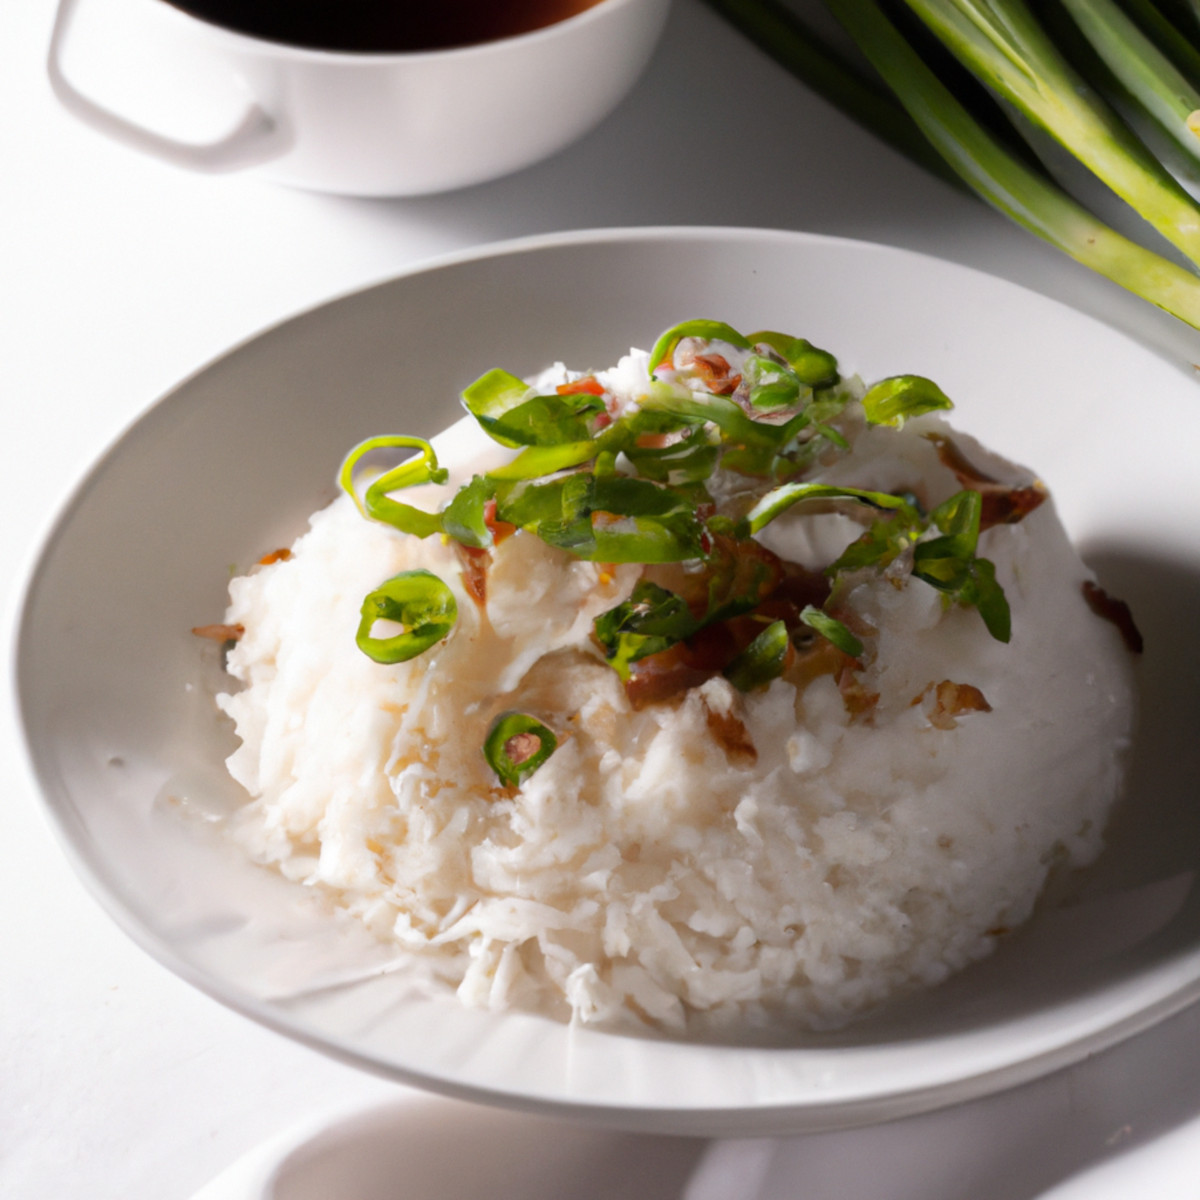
[857,701]
[661,676]
[714,370]
[475,565]
[1003,504]
[731,735]
[952,700]
[220,633]
[1114,610]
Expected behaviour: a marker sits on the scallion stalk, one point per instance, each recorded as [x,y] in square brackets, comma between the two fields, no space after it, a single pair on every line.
[1145,73]
[1007,182]
[1005,48]
[1003,43]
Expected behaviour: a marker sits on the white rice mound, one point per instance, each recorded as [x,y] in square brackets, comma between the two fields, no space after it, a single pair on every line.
[646,875]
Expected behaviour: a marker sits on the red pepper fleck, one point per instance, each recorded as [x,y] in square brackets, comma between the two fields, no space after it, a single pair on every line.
[589,384]
[714,370]
[500,529]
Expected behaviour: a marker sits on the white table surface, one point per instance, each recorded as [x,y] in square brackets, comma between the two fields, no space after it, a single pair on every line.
[118,276]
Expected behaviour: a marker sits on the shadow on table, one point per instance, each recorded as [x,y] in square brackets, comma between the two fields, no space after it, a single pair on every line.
[444,1150]
[1078,1134]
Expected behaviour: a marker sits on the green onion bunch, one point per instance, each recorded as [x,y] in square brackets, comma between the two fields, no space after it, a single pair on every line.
[611,483]
[975,89]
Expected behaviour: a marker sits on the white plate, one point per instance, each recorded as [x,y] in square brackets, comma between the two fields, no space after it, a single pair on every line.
[114,691]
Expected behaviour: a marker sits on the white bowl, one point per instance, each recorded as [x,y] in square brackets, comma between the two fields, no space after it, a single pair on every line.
[370,124]
[114,692]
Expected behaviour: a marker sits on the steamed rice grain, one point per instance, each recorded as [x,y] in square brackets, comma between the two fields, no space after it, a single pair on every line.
[718,861]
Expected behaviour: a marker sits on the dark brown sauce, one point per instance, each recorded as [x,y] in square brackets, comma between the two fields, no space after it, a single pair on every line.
[383,26]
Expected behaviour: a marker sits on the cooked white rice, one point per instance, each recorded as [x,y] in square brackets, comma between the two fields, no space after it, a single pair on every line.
[651,871]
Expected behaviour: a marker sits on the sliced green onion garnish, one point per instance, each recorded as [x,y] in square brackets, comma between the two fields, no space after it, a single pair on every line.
[535,461]
[761,661]
[948,563]
[988,596]
[545,420]
[893,401]
[463,518]
[651,620]
[720,410]
[828,431]
[493,394]
[879,545]
[691,460]
[511,413]
[773,385]
[582,483]
[608,518]
[814,367]
[708,330]
[516,745]
[944,560]
[376,503]
[420,603]
[780,499]
[832,630]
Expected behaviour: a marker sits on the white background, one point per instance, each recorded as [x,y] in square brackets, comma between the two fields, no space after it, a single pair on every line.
[119,276]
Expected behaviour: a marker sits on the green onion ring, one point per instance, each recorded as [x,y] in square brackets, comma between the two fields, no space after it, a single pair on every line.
[516,725]
[419,601]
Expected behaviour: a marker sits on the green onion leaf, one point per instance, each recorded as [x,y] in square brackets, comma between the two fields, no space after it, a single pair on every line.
[510,413]
[832,435]
[948,563]
[416,600]
[779,393]
[607,518]
[832,630]
[780,499]
[945,561]
[544,420]
[761,661]
[691,460]
[376,503]
[815,367]
[879,545]
[988,596]
[773,385]
[651,620]
[510,747]
[720,410]
[892,401]
[709,330]
[535,461]
[493,394]
[463,517]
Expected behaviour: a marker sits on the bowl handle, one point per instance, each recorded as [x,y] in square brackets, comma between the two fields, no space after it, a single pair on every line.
[256,137]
